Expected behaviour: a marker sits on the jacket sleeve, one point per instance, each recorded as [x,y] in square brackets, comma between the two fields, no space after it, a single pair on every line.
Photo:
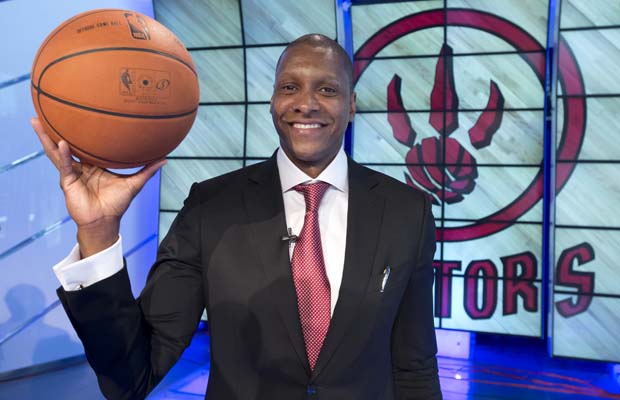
[132,343]
[414,364]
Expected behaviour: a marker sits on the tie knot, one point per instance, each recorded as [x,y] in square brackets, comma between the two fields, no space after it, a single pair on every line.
[313,193]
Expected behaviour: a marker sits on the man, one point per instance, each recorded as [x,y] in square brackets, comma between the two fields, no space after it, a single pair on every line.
[339,306]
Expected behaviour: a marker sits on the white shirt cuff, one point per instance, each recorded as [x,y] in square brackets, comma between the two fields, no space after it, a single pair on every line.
[75,274]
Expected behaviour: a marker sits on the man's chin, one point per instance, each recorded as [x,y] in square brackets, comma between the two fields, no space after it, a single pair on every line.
[311,156]
[304,157]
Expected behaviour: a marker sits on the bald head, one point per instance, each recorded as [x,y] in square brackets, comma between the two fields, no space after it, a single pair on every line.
[316,40]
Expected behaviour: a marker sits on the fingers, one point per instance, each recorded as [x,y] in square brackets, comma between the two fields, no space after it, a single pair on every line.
[65,164]
[60,154]
[48,144]
[141,177]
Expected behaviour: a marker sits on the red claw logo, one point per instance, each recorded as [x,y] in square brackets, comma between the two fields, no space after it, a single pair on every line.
[443,164]
[448,183]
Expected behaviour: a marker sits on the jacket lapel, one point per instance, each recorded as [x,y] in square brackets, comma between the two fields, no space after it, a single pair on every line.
[363,224]
[265,207]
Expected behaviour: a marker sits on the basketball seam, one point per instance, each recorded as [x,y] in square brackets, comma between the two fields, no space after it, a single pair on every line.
[116,114]
[65,24]
[41,92]
[80,148]
[161,53]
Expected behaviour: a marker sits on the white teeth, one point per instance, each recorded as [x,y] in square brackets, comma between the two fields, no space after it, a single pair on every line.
[306,126]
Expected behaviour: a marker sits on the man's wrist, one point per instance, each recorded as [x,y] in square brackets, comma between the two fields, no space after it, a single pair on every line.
[98,236]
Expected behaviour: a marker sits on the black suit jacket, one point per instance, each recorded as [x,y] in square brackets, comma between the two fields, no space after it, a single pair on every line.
[224,252]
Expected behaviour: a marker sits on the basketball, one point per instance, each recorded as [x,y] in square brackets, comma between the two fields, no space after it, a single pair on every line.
[118,86]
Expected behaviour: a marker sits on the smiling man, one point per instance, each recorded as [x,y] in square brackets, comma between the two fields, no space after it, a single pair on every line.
[316,272]
[313,101]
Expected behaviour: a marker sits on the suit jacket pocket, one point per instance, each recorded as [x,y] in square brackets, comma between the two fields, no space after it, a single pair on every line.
[391,278]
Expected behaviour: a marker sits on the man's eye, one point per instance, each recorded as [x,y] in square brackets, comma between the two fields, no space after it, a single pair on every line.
[328,90]
[288,88]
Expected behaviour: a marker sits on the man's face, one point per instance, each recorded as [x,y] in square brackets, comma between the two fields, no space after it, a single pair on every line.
[312,104]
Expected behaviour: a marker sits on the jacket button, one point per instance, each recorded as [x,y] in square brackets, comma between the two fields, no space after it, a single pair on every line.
[311,390]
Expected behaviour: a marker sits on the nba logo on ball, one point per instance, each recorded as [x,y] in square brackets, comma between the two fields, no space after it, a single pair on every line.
[118,86]
[139,28]
[144,85]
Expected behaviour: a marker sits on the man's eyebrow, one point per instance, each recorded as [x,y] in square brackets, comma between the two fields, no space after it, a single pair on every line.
[338,83]
[329,79]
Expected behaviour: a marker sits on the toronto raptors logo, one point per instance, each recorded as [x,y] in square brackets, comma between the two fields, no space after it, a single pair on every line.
[457,179]
[457,176]
[444,164]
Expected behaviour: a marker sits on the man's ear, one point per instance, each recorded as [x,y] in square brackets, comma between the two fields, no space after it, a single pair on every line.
[352,106]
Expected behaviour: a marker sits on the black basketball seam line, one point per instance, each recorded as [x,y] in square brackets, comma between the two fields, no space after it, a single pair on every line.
[65,24]
[79,53]
[116,114]
[84,14]
[78,147]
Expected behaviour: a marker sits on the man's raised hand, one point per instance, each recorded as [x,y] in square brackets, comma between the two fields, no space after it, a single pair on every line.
[95,197]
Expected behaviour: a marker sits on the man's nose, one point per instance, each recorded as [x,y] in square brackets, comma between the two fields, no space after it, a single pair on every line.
[307,102]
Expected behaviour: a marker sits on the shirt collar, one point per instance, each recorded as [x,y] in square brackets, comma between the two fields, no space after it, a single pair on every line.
[336,173]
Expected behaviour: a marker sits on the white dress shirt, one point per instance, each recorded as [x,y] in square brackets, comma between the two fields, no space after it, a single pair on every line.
[75,274]
[332,212]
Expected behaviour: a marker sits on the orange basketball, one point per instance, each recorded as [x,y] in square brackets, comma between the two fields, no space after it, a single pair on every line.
[118,86]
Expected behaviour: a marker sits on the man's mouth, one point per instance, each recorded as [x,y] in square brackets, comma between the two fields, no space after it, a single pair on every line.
[299,125]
